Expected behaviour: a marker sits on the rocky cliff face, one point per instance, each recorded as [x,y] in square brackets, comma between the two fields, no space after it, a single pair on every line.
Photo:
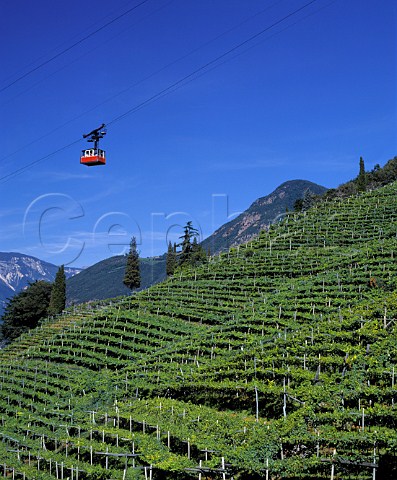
[17,270]
[262,213]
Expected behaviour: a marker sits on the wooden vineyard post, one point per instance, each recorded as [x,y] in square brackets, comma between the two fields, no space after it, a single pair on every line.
[150,473]
[256,404]
[333,466]
[188,448]
[362,421]
[206,452]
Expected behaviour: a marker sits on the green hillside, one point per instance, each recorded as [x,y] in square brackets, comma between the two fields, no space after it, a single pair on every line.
[275,360]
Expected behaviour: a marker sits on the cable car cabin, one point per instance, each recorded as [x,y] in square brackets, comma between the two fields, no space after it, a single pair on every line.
[92,157]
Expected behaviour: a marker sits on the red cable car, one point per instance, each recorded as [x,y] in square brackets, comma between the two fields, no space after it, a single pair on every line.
[94,156]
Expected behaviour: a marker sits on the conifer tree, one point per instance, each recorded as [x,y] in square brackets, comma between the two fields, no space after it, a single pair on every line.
[298,205]
[171,259]
[189,232]
[197,254]
[308,199]
[362,177]
[58,293]
[132,276]
[192,253]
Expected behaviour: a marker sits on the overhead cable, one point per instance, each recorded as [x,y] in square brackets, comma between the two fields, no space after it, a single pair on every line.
[210,63]
[174,86]
[46,62]
[147,77]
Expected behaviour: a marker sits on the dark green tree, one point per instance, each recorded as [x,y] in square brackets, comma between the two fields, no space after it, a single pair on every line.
[197,254]
[58,293]
[189,232]
[171,261]
[132,276]
[192,253]
[308,199]
[298,205]
[24,310]
[362,177]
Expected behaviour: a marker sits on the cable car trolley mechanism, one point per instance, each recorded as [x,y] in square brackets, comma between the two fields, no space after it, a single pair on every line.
[94,156]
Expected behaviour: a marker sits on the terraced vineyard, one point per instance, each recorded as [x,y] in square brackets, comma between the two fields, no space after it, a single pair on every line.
[275,360]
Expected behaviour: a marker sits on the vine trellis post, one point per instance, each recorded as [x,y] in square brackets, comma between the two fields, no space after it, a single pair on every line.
[256,404]
[333,466]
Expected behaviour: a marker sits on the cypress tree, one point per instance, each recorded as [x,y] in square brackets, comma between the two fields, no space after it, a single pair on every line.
[132,276]
[362,177]
[58,293]
[171,259]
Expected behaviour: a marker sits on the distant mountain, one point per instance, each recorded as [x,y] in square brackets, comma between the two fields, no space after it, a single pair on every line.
[17,270]
[105,279]
[262,213]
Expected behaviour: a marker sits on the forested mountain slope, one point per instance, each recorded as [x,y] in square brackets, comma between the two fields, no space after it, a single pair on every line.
[275,360]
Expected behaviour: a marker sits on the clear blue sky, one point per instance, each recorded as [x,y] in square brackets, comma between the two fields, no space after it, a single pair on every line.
[305,99]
